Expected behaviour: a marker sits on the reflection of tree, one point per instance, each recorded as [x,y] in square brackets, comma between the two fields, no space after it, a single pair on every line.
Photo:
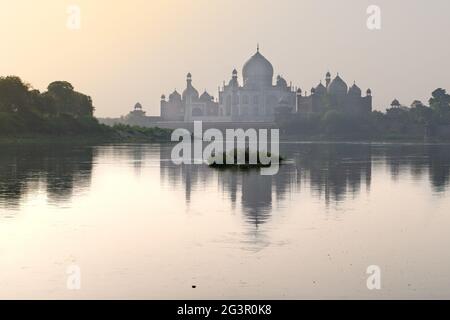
[335,170]
[331,171]
[439,167]
[59,168]
[419,159]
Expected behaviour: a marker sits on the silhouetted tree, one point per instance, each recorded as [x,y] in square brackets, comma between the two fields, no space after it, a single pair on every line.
[59,110]
[13,94]
[440,103]
[69,101]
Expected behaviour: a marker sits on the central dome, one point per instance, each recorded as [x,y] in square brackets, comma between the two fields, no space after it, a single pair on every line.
[257,71]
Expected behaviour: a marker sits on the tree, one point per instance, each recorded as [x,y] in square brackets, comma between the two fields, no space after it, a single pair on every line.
[417,104]
[13,94]
[69,101]
[440,104]
[420,113]
[60,87]
[42,103]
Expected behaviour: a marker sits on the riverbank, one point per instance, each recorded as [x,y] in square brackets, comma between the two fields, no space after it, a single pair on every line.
[134,137]
[376,139]
[116,134]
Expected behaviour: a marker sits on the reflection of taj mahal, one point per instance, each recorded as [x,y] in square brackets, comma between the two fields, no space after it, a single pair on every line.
[258,99]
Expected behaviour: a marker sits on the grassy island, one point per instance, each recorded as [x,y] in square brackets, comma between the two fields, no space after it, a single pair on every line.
[251,159]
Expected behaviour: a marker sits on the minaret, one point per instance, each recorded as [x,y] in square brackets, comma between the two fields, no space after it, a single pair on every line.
[189,80]
[368,99]
[187,101]
[298,99]
[234,79]
[328,79]
[163,106]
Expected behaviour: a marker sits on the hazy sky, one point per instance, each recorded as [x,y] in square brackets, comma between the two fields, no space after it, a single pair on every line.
[135,50]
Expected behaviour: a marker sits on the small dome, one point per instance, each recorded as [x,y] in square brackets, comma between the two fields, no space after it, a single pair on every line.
[205,97]
[395,103]
[369,92]
[355,90]
[299,91]
[281,82]
[320,89]
[235,72]
[163,97]
[328,75]
[138,106]
[338,86]
[174,96]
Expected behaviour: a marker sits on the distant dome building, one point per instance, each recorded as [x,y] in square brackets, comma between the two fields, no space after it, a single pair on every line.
[256,99]
[338,87]
[136,117]
[189,105]
[205,97]
[355,90]
[320,89]
[335,94]
[175,96]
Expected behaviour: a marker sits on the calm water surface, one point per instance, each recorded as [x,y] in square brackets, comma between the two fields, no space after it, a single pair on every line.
[141,227]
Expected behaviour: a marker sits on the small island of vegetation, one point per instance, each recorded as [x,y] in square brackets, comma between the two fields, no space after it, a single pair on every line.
[248,158]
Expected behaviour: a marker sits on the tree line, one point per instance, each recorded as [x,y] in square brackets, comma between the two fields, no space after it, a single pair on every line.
[58,110]
[60,98]
[398,121]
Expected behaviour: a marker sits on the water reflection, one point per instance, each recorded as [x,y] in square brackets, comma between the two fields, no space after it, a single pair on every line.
[57,170]
[332,172]
[419,160]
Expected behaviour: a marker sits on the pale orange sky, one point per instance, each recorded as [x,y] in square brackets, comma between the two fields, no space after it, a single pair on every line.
[135,50]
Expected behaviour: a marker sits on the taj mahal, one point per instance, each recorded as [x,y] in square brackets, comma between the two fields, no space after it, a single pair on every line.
[258,99]
[255,97]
